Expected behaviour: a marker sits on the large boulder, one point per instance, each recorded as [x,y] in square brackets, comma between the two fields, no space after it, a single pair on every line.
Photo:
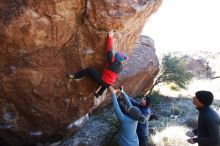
[42,40]
[141,68]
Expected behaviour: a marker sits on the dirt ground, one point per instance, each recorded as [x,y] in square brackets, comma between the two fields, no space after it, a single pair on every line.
[177,114]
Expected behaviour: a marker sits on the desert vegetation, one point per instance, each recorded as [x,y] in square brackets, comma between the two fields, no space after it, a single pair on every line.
[173,103]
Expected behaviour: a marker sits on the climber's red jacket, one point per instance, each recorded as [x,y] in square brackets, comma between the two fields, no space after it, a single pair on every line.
[113,67]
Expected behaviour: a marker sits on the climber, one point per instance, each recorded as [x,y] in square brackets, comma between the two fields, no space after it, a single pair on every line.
[110,72]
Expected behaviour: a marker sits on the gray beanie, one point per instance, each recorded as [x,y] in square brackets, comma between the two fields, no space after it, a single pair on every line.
[136,115]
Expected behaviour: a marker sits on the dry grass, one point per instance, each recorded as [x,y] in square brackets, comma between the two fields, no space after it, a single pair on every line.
[171,136]
[173,133]
[195,85]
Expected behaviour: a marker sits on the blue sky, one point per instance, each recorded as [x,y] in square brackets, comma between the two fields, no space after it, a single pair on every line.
[185,25]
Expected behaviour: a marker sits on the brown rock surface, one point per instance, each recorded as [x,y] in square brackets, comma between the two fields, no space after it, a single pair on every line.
[41,40]
[141,68]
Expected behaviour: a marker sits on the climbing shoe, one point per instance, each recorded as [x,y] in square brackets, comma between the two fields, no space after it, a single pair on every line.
[71,75]
[96,95]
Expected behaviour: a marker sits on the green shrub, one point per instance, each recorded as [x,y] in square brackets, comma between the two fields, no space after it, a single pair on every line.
[155,97]
[113,131]
[174,87]
[156,93]
[176,110]
[173,70]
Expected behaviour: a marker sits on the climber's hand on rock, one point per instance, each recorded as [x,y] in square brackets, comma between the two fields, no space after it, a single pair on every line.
[111,33]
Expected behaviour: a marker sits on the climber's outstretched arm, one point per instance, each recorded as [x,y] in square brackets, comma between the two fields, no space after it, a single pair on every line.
[109,50]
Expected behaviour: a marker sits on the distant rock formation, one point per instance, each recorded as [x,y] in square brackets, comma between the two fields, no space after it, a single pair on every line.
[42,40]
[199,67]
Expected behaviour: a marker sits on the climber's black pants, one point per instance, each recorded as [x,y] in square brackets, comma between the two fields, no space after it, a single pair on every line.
[94,74]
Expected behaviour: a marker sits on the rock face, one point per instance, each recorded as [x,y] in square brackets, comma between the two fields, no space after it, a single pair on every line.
[141,68]
[42,40]
[137,76]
